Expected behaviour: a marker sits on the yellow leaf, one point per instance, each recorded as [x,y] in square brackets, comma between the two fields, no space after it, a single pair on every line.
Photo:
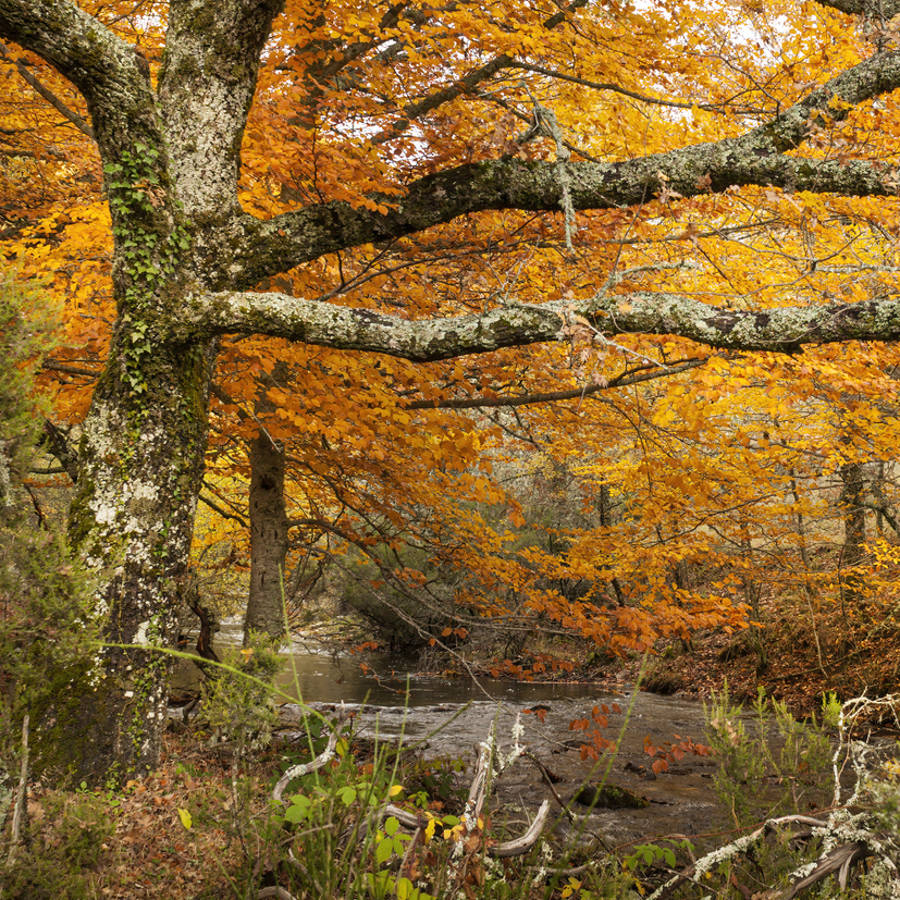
[185,817]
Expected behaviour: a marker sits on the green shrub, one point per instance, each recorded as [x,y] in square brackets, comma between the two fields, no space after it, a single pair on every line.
[63,850]
[769,763]
[46,639]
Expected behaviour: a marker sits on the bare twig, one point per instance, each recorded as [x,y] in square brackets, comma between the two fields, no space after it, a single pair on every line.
[20,808]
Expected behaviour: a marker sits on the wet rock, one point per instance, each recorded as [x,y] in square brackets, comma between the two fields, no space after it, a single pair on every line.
[609,796]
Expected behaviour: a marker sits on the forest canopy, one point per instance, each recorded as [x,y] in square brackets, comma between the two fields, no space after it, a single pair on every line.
[591,305]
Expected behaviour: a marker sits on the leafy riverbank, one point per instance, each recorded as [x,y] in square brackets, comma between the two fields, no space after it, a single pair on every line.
[207,824]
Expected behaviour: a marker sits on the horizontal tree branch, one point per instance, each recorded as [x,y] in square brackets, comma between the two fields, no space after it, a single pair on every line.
[507,400]
[609,86]
[52,366]
[784,329]
[756,157]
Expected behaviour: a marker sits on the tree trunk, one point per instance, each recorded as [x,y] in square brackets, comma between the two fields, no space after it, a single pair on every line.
[268,538]
[132,519]
[852,501]
[752,595]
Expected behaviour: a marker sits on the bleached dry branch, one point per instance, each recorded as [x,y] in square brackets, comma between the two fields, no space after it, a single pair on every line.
[305,768]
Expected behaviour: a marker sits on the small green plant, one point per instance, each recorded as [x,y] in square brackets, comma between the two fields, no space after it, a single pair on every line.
[239,703]
[769,763]
[383,886]
[646,855]
[831,710]
[239,709]
[341,843]
[437,778]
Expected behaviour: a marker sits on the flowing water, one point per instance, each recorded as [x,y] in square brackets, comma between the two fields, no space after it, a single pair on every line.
[680,800]
[450,717]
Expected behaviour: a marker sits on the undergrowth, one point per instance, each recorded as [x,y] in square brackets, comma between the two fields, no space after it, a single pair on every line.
[207,825]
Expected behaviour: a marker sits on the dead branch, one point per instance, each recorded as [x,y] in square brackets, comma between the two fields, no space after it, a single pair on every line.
[839,860]
[523,844]
[305,768]
[20,809]
[275,891]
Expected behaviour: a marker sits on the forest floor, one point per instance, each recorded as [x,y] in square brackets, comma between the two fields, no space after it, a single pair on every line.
[797,658]
[134,842]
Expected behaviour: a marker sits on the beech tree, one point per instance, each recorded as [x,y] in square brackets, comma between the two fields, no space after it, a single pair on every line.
[195,256]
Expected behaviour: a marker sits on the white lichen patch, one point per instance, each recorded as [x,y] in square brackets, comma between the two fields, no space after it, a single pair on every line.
[105,511]
[140,636]
[142,491]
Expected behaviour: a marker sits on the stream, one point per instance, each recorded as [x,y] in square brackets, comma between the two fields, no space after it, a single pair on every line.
[449,717]
[680,800]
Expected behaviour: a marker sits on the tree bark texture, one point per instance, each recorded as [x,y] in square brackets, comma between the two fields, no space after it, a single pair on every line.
[141,459]
[268,538]
[185,254]
[853,508]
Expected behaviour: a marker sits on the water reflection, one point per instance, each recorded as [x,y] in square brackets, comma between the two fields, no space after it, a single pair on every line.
[313,675]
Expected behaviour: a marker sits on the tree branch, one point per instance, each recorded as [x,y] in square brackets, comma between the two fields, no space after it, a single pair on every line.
[463,85]
[103,67]
[757,157]
[57,442]
[505,400]
[614,88]
[784,329]
[873,9]
[65,111]
[223,512]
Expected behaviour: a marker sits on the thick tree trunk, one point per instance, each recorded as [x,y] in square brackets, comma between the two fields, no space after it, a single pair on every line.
[268,538]
[170,153]
[132,520]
